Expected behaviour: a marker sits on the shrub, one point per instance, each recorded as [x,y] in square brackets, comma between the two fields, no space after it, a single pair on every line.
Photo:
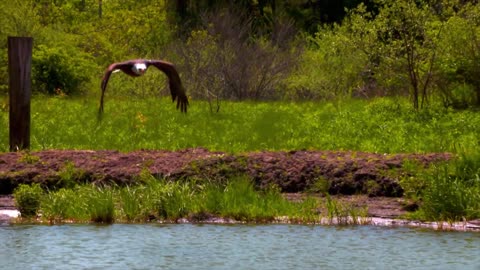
[131,203]
[69,175]
[60,70]
[329,68]
[175,200]
[28,198]
[458,68]
[224,60]
[448,197]
[447,191]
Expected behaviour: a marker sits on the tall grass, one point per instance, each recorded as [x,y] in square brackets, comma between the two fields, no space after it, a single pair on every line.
[81,203]
[345,213]
[100,204]
[63,204]
[382,125]
[168,201]
[450,191]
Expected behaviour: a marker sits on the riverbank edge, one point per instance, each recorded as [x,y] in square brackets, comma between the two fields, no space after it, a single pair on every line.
[347,172]
[13,217]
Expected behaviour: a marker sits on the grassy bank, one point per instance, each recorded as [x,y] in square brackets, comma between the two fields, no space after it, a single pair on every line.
[443,192]
[159,200]
[446,192]
[382,126]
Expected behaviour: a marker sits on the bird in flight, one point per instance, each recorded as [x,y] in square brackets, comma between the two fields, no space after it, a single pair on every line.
[138,67]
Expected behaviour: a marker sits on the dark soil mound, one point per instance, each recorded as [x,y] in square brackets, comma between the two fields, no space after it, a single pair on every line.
[295,171]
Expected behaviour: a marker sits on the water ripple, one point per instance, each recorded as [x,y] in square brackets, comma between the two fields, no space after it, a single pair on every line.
[187,246]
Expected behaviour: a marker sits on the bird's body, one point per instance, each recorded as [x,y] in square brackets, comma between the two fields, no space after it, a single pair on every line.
[138,67]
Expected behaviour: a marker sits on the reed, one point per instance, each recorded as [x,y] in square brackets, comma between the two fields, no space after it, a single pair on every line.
[339,213]
[63,204]
[130,201]
[450,197]
[159,199]
[100,204]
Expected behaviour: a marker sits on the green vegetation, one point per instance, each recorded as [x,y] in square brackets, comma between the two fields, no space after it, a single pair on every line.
[345,213]
[27,199]
[376,76]
[167,201]
[257,50]
[447,191]
[381,125]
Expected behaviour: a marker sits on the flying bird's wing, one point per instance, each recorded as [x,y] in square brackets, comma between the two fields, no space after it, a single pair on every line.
[176,88]
[106,77]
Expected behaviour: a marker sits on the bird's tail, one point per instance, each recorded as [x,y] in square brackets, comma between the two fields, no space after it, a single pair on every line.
[100,110]
[100,115]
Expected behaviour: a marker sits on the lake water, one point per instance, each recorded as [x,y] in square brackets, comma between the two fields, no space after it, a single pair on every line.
[187,246]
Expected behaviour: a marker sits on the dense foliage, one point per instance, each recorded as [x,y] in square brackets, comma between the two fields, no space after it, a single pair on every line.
[257,50]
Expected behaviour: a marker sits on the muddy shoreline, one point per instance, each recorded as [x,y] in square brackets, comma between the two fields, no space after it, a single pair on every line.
[360,179]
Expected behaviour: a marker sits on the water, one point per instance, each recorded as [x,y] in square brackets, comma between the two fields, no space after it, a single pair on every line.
[188,246]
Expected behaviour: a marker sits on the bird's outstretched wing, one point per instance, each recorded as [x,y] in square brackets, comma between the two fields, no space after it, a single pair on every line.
[176,88]
[106,77]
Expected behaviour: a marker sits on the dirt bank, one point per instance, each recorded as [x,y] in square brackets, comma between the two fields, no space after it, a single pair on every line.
[362,179]
[359,179]
[343,173]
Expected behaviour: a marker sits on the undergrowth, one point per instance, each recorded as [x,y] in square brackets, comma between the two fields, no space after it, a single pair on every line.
[447,191]
[166,201]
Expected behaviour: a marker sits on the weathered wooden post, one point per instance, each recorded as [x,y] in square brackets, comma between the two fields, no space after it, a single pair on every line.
[19,68]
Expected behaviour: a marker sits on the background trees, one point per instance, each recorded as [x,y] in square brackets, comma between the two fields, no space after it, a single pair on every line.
[263,49]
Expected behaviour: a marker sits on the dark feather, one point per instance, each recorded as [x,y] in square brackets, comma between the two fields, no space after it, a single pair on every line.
[176,88]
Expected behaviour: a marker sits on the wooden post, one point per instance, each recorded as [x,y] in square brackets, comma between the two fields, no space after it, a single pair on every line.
[19,68]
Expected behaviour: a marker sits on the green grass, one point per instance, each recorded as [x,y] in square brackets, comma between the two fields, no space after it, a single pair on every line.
[449,191]
[64,204]
[165,201]
[382,125]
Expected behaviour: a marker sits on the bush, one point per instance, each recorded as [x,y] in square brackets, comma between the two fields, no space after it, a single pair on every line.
[63,204]
[224,60]
[60,70]
[448,197]
[458,68]
[27,199]
[448,191]
[330,68]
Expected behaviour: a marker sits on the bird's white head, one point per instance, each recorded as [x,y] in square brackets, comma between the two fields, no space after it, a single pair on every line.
[139,68]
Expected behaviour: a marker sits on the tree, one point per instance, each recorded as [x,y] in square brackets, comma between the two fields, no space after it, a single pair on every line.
[223,59]
[409,30]
[460,59]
